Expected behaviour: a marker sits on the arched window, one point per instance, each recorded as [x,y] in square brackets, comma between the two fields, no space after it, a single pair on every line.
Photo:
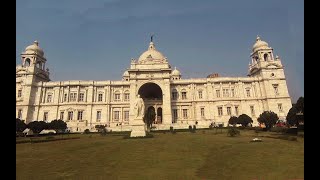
[126,96]
[174,94]
[116,96]
[200,94]
[265,56]
[183,94]
[27,62]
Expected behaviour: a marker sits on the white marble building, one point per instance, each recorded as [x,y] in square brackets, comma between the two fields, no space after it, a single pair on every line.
[177,102]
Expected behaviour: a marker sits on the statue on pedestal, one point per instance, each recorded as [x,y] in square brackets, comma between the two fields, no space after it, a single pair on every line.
[139,107]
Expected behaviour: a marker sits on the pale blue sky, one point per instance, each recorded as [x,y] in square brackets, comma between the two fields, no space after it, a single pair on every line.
[96,39]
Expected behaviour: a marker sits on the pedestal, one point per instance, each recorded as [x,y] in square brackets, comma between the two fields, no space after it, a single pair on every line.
[138,128]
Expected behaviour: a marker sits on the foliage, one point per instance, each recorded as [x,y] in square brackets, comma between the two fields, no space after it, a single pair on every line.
[86,131]
[244,120]
[37,126]
[58,125]
[100,128]
[233,120]
[268,118]
[292,118]
[20,125]
[233,132]
[149,117]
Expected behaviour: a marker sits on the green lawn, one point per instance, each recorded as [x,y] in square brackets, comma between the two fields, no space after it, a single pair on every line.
[181,156]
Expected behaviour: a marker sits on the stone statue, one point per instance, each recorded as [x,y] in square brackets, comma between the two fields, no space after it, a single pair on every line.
[139,107]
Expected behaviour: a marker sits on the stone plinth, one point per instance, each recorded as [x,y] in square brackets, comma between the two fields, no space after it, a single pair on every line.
[138,128]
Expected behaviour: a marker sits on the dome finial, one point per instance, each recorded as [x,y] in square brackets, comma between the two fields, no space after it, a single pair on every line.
[151,37]
[258,38]
[36,42]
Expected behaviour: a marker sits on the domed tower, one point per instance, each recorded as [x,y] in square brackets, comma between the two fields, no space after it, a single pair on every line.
[263,62]
[175,74]
[28,74]
[271,78]
[125,76]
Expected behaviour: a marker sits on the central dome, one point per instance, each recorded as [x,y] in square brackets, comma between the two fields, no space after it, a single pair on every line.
[259,45]
[151,54]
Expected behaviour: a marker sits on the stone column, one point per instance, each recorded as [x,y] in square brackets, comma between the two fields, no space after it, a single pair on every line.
[166,103]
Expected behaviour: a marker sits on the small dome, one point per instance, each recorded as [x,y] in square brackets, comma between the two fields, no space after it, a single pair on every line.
[259,45]
[126,73]
[151,53]
[175,72]
[34,48]
[213,75]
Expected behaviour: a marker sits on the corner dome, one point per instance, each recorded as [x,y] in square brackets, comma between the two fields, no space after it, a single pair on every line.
[175,72]
[126,73]
[259,45]
[151,54]
[34,49]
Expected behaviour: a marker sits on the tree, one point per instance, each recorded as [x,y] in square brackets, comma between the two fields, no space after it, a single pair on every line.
[37,126]
[20,125]
[292,117]
[58,125]
[268,118]
[233,120]
[149,117]
[244,120]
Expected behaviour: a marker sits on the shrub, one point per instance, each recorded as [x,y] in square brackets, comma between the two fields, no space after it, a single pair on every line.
[233,132]
[278,129]
[86,131]
[194,128]
[190,128]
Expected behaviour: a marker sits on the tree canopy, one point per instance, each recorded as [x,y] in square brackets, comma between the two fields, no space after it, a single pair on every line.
[268,118]
[292,117]
[244,120]
[233,120]
[58,125]
[20,125]
[37,126]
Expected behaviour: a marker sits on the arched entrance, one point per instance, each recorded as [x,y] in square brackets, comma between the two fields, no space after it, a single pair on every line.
[151,94]
[150,91]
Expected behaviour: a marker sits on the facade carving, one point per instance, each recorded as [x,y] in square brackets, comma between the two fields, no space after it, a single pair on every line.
[176,101]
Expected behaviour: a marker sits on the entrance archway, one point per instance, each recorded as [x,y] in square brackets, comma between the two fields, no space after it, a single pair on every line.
[150,91]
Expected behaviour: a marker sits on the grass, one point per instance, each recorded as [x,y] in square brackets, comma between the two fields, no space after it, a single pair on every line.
[184,155]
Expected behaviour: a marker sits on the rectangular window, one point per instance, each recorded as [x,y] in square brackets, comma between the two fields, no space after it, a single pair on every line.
[175,115]
[116,97]
[73,97]
[225,92]
[184,95]
[185,113]
[81,97]
[116,115]
[45,116]
[126,97]
[229,111]
[218,93]
[232,93]
[236,110]
[20,114]
[200,94]
[61,115]
[49,98]
[70,115]
[275,88]
[280,107]
[100,97]
[65,98]
[174,95]
[202,112]
[98,116]
[126,115]
[248,92]
[80,113]
[252,110]
[220,113]
[19,93]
